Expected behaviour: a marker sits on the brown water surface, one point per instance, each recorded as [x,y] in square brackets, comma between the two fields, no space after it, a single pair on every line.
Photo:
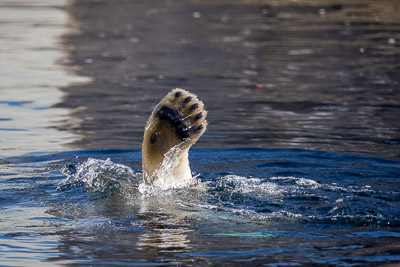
[293,74]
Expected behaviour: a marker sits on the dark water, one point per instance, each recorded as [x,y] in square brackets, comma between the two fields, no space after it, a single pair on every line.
[253,207]
[299,166]
[299,74]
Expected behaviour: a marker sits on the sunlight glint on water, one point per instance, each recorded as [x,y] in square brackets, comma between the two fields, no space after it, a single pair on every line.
[31,75]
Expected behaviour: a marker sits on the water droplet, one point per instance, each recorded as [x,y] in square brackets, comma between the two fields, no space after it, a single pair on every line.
[231,39]
[298,52]
[250,72]
[391,40]
[247,31]
[196,15]
[134,40]
[264,11]
[362,50]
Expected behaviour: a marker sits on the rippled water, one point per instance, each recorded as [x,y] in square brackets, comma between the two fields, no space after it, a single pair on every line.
[298,74]
[299,166]
[252,206]
[31,76]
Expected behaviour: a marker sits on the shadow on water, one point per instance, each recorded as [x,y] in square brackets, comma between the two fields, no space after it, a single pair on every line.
[295,74]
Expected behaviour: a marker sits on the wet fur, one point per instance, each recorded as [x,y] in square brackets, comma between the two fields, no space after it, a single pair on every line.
[175,124]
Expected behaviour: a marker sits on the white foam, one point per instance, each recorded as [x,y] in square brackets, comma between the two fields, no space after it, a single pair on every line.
[246,185]
[100,175]
[165,177]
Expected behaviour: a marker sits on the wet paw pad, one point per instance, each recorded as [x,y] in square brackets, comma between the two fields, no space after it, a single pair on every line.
[184,112]
[175,119]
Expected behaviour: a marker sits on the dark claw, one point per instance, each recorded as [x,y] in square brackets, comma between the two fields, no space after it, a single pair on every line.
[199,128]
[178,94]
[194,106]
[187,99]
[198,116]
[153,138]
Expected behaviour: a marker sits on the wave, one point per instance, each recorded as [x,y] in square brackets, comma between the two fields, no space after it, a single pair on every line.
[242,198]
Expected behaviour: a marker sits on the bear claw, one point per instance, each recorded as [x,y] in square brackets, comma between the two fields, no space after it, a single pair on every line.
[187,99]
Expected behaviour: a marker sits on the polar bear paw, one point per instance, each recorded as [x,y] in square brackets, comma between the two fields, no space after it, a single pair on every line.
[177,121]
[185,113]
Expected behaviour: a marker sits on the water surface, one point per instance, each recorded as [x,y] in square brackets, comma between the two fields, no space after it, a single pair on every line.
[299,166]
[31,76]
[262,206]
[298,74]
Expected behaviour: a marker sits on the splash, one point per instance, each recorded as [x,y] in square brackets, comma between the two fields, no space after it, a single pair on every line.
[244,185]
[105,176]
[165,177]
[238,198]
[97,175]
[298,199]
